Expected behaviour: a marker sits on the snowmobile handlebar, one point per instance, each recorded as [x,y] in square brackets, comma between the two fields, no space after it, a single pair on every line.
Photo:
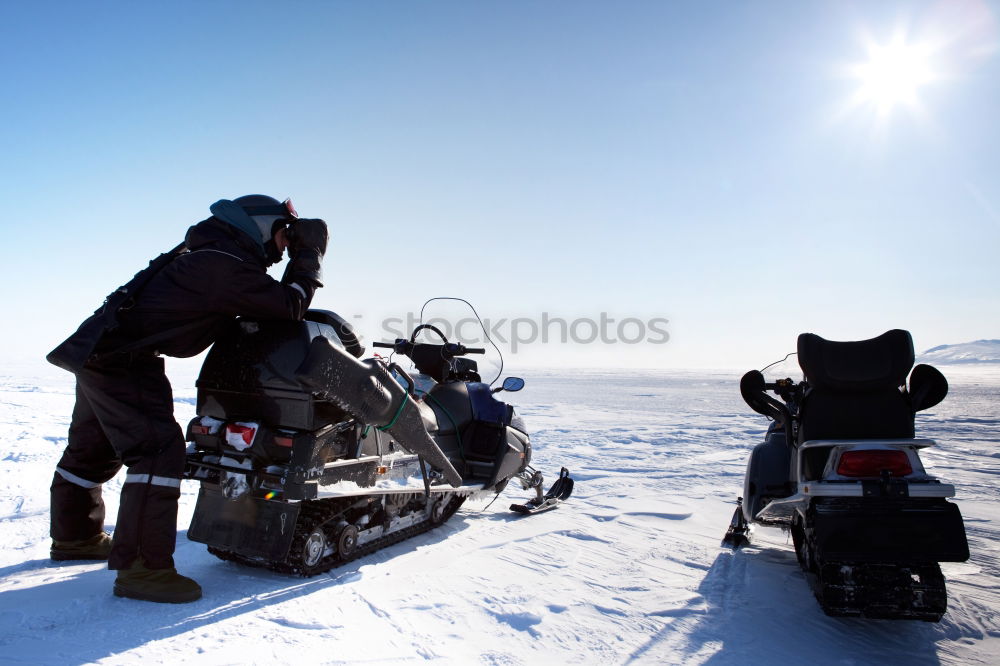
[754,390]
[785,388]
[448,349]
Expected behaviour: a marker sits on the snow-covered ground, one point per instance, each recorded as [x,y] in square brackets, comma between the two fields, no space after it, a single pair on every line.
[630,570]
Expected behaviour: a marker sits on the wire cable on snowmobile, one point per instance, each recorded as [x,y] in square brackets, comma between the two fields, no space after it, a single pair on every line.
[429,327]
[483,510]
[478,318]
[777,362]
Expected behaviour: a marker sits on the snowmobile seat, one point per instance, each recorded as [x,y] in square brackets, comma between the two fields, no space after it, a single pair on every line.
[251,374]
[855,387]
[349,338]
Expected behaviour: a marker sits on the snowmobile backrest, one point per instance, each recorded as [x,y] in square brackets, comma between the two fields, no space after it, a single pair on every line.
[867,365]
[854,387]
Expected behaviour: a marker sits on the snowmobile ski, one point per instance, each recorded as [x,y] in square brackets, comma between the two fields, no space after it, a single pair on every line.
[558,493]
[738,534]
[530,507]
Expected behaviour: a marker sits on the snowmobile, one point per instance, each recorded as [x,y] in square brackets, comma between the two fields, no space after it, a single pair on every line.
[309,457]
[840,469]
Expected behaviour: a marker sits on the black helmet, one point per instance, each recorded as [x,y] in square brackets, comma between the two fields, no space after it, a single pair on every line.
[266,212]
[259,217]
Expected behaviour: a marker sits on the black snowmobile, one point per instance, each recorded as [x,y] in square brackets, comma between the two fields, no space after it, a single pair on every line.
[309,457]
[840,468]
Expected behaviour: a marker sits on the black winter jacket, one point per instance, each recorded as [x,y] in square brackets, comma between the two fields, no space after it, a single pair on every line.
[223,275]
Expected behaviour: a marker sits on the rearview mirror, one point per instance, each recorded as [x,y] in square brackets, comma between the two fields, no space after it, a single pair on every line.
[513,384]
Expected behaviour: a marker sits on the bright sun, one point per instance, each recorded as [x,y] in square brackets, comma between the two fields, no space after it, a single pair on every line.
[893,76]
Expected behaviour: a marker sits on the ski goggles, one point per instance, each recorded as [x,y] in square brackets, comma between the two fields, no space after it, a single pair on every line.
[284,209]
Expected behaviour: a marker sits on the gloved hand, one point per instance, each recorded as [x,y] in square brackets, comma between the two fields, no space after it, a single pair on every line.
[307,240]
[307,234]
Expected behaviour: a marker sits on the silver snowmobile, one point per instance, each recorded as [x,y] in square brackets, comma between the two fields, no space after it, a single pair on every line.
[840,468]
[309,457]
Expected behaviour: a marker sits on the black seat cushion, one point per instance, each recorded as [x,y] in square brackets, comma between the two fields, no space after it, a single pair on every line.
[854,387]
[865,365]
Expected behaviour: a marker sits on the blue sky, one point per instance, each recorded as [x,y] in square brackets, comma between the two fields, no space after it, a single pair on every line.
[698,162]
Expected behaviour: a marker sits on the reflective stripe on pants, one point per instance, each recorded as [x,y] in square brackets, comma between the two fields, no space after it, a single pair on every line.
[73,478]
[165,481]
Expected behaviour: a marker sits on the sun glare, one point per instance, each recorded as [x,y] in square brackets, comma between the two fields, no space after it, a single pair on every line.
[893,76]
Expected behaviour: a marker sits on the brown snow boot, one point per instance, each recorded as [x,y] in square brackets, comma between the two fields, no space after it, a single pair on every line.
[96,547]
[164,586]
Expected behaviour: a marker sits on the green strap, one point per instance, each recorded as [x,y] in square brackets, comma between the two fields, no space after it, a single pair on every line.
[402,405]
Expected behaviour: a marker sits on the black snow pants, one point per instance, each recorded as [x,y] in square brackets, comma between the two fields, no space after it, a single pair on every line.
[124,414]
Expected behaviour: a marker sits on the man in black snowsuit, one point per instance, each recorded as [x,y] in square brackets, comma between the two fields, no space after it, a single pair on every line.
[124,403]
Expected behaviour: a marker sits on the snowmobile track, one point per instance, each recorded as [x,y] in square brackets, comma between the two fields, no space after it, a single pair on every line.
[318,513]
[880,591]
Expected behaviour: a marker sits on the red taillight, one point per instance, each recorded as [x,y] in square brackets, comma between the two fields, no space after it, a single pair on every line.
[245,432]
[240,436]
[283,441]
[200,430]
[869,462]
